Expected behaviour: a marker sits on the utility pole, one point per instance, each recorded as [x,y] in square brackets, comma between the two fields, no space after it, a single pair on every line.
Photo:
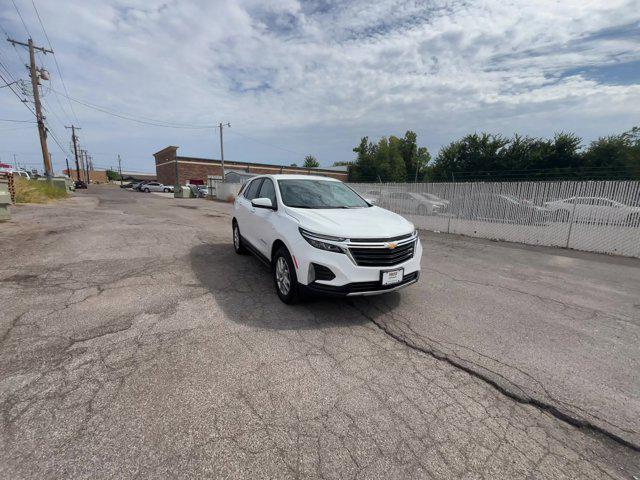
[83,159]
[222,147]
[35,81]
[74,138]
[68,170]
[120,168]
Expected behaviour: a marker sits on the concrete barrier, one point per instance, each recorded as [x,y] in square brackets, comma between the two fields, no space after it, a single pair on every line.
[5,199]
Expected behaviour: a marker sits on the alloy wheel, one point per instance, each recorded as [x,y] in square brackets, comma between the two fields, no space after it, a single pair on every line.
[236,238]
[283,276]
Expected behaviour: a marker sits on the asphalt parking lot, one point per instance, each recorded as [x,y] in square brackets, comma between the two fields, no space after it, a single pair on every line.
[135,343]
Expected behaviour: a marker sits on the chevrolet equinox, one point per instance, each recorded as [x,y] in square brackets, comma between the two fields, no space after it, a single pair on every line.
[319,235]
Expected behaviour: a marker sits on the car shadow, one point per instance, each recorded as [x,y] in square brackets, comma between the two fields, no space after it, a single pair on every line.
[243,287]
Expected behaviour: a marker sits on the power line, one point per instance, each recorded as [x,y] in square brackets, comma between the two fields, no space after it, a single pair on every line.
[137,119]
[17,94]
[16,121]
[56,62]
[21,19]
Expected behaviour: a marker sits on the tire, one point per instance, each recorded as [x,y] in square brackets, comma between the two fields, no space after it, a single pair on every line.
[422,210]
[166,190]
[284,277]
[146,190]
[237,240]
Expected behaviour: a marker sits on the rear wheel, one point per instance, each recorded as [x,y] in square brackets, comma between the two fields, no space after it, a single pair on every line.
[147,190]
[237,240]
[166,190]
[284,276]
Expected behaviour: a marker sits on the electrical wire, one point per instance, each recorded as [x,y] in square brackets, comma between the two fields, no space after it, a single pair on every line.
[21,19]
[141,120]
[16,121]
[56,63]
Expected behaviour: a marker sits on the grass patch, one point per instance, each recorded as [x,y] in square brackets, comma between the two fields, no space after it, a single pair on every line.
[37,191]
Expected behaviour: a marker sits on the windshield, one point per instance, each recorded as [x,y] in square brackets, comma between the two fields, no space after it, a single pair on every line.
[319,194]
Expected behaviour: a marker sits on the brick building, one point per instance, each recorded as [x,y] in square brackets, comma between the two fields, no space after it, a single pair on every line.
[172,169]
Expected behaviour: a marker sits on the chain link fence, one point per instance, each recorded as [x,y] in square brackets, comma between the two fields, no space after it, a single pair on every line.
[594,216]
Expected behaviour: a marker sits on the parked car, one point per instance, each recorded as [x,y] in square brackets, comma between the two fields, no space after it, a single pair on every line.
[203,191]
[407,202]
[127,185]
[156,187]
[319,235]
[141,185]
[594,210]
[498,208]
[80,184]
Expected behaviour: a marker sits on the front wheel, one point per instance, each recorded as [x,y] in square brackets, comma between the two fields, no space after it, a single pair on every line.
[166,190]
[284,277]
[147,190]
[237,240]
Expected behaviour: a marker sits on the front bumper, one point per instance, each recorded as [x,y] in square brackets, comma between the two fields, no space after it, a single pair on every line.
[350,278]
[361,288]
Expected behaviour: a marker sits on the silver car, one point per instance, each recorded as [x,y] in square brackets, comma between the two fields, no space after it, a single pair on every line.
[594,210]
[157,187]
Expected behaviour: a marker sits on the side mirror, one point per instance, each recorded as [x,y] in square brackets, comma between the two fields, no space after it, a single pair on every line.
[262,203]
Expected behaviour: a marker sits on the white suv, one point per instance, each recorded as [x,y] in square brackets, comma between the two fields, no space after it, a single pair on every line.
[317,234]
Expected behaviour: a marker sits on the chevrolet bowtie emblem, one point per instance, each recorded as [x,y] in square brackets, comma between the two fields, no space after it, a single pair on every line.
[391,245]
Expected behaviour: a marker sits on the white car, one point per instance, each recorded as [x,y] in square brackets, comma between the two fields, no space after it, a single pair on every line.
[408,202]
[318,235]
[156,187]
[594,210]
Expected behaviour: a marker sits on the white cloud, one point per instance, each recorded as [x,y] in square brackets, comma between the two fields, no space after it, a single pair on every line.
[314,76]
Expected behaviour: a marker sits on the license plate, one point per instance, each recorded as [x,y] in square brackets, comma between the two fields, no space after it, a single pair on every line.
[392,276]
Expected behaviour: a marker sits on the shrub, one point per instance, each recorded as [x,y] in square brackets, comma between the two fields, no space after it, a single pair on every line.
[37,191]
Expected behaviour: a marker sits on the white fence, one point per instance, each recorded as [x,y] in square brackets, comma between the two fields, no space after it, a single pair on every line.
[602,216]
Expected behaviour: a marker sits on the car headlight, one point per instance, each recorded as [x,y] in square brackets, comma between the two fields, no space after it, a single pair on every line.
[316,240]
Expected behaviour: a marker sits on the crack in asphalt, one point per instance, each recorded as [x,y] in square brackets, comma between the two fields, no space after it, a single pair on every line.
[527,400]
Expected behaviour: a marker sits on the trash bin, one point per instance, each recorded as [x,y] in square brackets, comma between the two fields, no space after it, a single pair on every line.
[182,191]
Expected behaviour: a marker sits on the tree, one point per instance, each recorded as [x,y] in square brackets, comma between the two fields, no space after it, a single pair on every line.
[310,162]
[392,159]
[615,156]
[293,165]
[111,175]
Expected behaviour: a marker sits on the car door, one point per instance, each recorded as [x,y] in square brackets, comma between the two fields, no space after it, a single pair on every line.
[264,229]
[245,211]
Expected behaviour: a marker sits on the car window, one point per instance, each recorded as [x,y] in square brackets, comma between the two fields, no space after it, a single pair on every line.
[267,190]
[319,194]
[252,190]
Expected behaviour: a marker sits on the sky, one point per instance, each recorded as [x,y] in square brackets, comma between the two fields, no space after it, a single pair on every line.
[313,77]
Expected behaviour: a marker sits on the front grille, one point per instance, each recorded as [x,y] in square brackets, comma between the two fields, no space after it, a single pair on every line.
[382,257]
[378,239]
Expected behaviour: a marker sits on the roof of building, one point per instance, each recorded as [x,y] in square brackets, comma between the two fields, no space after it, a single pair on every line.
[292,176]
[269,165]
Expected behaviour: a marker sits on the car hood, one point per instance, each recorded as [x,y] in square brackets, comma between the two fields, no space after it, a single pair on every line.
[372,222]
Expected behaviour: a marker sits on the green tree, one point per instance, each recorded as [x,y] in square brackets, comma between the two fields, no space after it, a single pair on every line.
[310,162]
[112,175]
[615,156]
